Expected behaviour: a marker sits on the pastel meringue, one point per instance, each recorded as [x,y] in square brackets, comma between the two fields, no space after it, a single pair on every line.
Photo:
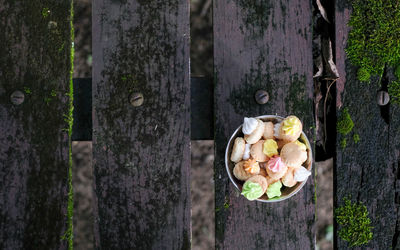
[246,154]
[251,166]
[270,147]
[275,164]
[289,129]
[301,174]
[249,125]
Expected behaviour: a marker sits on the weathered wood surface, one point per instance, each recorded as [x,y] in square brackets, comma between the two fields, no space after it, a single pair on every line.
[261,45]
[367,171]
[35,56]
[141,155]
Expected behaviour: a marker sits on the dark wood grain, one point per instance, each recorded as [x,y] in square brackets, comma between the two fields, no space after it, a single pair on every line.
[261,45]
[35,56]
[141,155]
[367,171]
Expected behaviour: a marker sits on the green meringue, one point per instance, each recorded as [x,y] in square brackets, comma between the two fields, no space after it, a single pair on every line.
[274,190]
[252,190]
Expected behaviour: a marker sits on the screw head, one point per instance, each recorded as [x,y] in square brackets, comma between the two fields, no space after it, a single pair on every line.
[136,99]
[17,97]
[261,96]
[382,98]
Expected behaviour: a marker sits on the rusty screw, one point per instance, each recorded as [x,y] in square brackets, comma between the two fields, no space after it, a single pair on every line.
[261,96]
[136,99]
[17,97]
[382,98]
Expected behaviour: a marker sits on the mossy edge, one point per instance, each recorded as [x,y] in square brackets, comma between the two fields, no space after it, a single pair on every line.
[70,234]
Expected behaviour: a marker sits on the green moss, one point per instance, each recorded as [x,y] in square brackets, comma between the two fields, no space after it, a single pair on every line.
[356,138]
[45,12]
[397,72]
[374,39]
[394,91]
[47,100]
[363,75]
[226,204]
[355,225]
[343,143]
[27,90]
[345,124]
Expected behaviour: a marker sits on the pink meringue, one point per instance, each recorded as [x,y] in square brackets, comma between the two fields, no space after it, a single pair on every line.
[275,164]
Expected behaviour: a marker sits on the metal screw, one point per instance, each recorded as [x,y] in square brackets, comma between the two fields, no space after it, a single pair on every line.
[382,98]
[17,97]
[136,99]
[261,96]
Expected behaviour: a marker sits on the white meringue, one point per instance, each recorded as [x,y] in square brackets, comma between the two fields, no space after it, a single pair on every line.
[277,127]
[249,125]
[246,154]
[301,174]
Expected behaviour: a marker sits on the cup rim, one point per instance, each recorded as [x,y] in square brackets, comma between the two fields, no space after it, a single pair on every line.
[233,179]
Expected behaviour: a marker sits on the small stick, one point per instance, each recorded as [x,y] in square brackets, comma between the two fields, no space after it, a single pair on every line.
[326,98]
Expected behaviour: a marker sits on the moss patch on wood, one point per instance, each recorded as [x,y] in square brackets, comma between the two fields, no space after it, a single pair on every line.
[356,138]
[345,124]
[374,39]
[343,143]
[256,15]
[354,223]
[394,91]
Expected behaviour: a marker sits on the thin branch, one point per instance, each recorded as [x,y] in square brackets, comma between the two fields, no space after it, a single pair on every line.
[326,98]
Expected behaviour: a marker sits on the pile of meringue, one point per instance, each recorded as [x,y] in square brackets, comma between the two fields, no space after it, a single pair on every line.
[269,157]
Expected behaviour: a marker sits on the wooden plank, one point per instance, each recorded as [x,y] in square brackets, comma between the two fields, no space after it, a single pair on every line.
[367,171]
[35,162]
[261,45]
[141,155]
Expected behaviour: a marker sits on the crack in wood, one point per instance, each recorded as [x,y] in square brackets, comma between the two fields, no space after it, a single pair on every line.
[384,110]
[396,235]
[361,184]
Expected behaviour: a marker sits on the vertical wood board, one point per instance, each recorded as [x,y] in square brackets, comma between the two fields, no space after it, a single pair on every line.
[262,45]
[141,155]
[367,171]
[35,58]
